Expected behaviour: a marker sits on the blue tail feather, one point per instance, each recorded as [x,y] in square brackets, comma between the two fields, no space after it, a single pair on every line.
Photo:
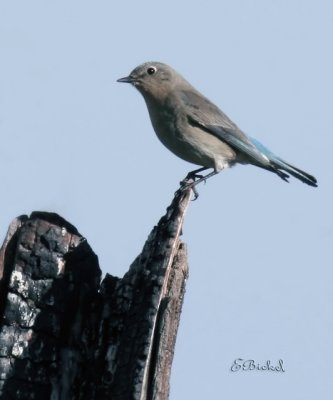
[280,167]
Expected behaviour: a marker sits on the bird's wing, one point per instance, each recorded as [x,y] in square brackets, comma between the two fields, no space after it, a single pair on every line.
[204,114]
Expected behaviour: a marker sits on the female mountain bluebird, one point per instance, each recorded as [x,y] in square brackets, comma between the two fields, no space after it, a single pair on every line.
[196,130]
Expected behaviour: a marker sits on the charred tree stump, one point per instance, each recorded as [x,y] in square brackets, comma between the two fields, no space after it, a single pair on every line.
[64,334]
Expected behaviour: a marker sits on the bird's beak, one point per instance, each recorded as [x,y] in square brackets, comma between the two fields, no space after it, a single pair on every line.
[127,79]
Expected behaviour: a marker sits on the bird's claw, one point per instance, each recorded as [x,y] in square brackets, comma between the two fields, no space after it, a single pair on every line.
[185,185]
[194,176]
[195,193]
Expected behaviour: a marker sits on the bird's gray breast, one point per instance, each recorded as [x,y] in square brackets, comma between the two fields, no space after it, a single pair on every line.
[191,143]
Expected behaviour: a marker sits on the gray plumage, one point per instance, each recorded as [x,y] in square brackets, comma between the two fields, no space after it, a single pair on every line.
[196,130]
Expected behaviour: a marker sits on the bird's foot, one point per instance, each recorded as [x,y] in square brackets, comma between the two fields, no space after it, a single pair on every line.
[192,179]
[189,183]
[194,176]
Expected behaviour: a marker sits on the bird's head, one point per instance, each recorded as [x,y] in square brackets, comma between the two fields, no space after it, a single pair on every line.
[153,79]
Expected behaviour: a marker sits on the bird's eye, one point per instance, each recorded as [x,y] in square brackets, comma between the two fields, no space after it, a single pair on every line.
[151,70]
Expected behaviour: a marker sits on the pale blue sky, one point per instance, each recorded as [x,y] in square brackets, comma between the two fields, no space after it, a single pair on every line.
[77,143]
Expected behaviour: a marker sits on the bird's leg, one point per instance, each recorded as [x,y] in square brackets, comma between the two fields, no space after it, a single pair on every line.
[194,174]
[204,178]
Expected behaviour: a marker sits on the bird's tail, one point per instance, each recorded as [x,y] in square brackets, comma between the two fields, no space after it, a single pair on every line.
[282,168]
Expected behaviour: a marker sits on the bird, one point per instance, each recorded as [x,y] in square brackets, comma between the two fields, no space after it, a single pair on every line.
[197,131]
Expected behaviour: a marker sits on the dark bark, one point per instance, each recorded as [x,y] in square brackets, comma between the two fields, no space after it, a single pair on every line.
[66,335]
